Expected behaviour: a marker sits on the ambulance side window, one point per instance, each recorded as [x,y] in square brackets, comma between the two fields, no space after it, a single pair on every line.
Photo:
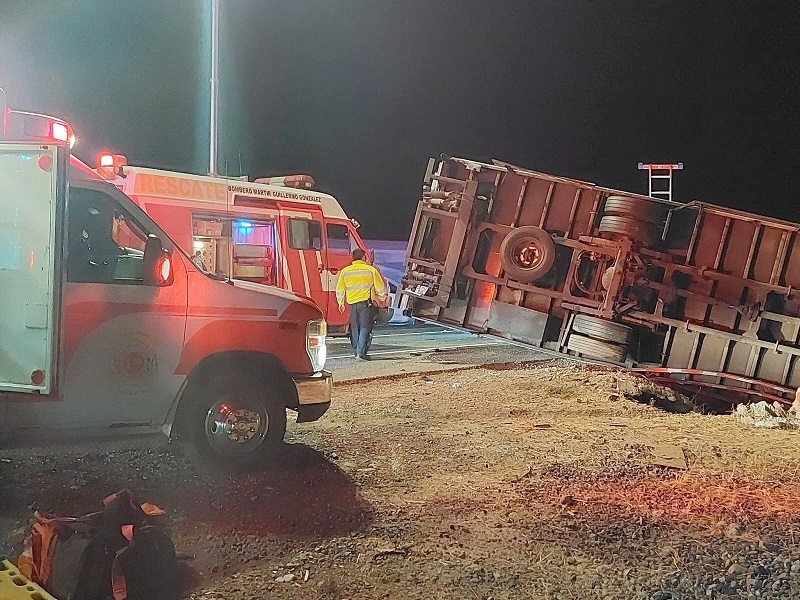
[104,244]
[305,234]
[339,239]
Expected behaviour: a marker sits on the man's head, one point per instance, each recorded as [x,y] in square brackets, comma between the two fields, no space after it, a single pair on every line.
[358,254]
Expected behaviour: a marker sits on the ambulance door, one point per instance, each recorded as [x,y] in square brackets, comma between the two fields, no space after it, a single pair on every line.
[123,331]
[254,251]
[341,241]
[302,261]
[32,187]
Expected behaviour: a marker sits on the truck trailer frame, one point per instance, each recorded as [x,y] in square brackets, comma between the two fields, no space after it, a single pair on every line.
[703,297]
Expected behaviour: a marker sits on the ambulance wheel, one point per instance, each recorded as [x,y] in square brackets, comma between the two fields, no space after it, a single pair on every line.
[237,424]
[527,254]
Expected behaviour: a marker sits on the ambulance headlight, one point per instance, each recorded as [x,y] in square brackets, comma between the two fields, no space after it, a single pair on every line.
[315,343]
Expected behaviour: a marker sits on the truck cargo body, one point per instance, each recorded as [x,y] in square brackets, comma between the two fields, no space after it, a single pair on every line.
[698,292]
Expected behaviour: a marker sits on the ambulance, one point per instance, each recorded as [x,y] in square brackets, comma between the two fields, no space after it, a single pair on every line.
[274,231]
[108,326]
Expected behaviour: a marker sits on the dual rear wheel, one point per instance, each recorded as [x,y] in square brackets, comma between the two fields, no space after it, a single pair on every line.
[640,220]
[600,339]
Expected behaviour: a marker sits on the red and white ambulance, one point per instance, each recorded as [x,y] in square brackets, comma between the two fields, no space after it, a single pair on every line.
[273,231]
[107,325]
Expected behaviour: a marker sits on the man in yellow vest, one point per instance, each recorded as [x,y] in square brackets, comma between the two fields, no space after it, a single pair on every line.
[355,287]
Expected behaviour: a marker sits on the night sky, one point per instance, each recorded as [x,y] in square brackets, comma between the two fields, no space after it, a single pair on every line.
[360,93]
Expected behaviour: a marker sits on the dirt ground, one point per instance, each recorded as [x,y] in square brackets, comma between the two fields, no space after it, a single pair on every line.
[530,482]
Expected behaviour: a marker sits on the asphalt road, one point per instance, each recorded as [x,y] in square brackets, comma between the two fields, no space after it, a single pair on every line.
[421,347]
[390,340]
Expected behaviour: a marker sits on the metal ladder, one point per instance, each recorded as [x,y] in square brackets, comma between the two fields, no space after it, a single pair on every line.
[660,171]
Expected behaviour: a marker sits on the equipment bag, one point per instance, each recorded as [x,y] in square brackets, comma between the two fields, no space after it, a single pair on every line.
[115,553]
[64,556]
[147,567]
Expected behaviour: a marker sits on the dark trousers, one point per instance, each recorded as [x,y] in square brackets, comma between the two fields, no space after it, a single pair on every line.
[362,317]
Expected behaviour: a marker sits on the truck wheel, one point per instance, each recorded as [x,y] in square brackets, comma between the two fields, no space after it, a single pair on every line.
[596,349]
[634,208]
[527,254]
[599,329]
[639,231]
[237,424]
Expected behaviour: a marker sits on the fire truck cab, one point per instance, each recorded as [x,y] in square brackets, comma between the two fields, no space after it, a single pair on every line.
[274,231]
[108,326]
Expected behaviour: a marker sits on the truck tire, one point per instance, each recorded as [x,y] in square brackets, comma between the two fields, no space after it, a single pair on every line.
[527,254]
[595,349]
[236,424]
[600,329]
[639,231]
[634,208]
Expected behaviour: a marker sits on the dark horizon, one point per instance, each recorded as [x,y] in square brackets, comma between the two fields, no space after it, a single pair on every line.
[359,94]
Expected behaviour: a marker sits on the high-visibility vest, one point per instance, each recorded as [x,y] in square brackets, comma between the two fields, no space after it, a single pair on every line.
[356,282]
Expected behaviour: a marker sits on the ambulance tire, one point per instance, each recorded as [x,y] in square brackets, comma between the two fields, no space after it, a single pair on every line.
[527,254]
[237,424]
[590,348]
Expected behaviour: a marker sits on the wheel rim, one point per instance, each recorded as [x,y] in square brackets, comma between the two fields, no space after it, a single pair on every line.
[235,427]
[527,255]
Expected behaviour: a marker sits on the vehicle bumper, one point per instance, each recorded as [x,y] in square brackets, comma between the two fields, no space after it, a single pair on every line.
[313,395]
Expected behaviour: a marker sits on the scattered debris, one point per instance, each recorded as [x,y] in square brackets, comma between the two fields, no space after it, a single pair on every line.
[668,455]
[285,578]
[763,414]
[388,551]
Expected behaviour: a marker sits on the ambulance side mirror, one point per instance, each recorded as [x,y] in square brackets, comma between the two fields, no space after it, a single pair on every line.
[157,263]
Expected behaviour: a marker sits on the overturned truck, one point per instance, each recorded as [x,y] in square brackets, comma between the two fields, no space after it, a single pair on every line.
[702,297]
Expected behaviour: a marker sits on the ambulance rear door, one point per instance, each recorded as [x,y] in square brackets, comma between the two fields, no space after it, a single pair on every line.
[32,190]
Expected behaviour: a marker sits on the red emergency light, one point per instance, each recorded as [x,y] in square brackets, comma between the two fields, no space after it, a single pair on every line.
[59,131]
[302,182]
[19,125]
[110,165]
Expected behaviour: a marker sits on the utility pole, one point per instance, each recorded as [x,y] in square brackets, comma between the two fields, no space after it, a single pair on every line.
[662,171]
[212,159]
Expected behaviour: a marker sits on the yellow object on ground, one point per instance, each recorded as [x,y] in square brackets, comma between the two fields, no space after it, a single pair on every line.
[15,586]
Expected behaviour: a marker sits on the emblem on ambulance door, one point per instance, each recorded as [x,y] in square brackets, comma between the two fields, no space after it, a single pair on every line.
[134,361]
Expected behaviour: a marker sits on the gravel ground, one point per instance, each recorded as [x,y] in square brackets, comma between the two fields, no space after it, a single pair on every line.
[534,482]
